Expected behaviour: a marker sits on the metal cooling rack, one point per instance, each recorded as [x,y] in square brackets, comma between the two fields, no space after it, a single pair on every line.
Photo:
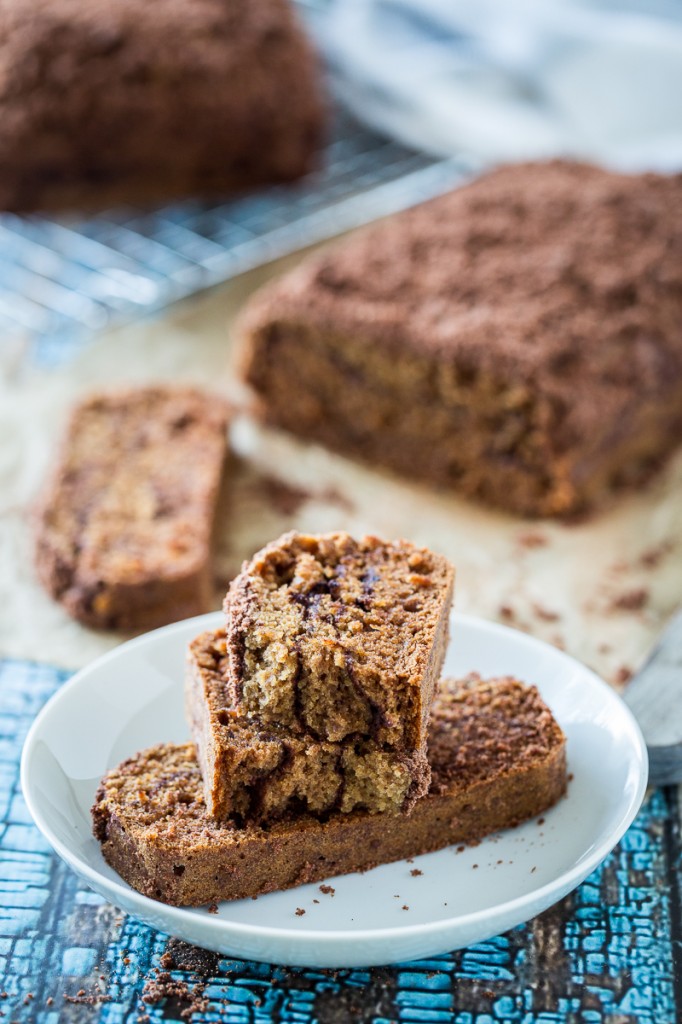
[64,279]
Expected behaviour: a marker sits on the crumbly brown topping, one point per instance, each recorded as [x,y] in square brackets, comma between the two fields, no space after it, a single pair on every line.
[560,267]
[482,726]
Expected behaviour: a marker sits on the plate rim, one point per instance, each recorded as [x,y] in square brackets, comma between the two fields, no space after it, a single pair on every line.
[217,926]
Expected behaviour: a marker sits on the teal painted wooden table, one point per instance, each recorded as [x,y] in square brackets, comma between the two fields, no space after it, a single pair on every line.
[609,953]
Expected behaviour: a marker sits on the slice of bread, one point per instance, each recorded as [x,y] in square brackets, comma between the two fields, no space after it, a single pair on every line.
[332,637]
[124,527]
[497,758]
[260,773]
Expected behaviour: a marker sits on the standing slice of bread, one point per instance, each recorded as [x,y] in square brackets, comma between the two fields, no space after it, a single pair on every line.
[334,637]
[124,527]
[260,773]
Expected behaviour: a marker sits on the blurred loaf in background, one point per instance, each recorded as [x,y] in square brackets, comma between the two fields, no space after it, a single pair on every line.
[127,102]
[517,340]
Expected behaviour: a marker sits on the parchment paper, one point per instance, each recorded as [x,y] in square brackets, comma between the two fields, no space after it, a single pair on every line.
[602,589]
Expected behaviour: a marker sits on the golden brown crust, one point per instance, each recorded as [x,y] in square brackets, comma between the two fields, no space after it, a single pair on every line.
[99,104]
[256,773]
[336,637]
[517,339]
[123,528]
[497,757]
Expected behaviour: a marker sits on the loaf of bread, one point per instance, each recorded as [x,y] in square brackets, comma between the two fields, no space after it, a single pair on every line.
[497,758]
[518,340]
[335,637]
[124,526]
[258,773]
[128,102]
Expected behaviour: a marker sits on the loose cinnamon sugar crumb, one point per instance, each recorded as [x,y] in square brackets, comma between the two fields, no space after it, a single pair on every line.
[316,901]
[185,957]
[474,866]
[334,497]
[163,987]
[415,872]
[545,613]
[284,498]
[631,600]
[83,998]
[651,558]
[328,890]
[213,908]
[404,907]
[531,539]
[300,911]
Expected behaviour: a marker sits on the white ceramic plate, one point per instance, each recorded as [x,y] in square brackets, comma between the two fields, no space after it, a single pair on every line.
[132,698]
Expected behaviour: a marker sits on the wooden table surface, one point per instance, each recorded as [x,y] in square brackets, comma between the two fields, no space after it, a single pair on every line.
[608,953]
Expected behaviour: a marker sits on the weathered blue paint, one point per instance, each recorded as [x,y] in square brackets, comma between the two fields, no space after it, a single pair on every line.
[603,956]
